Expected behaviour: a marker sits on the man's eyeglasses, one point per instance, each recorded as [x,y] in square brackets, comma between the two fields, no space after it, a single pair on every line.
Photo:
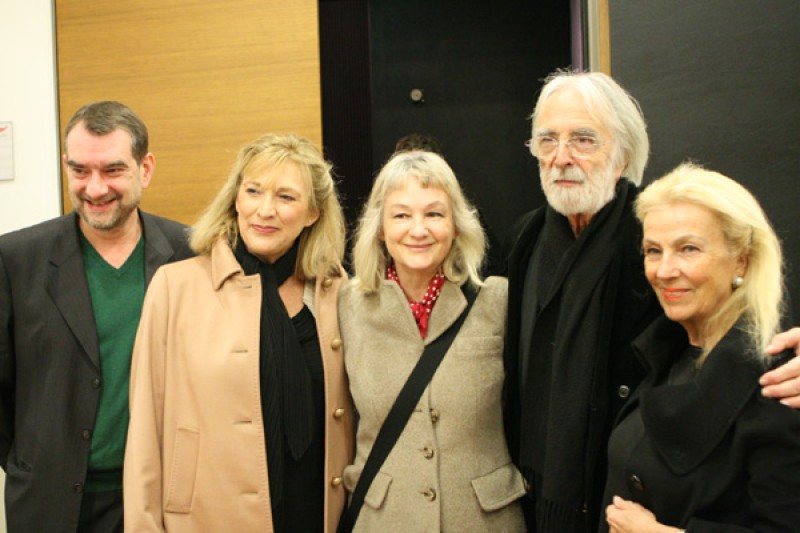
[578,145]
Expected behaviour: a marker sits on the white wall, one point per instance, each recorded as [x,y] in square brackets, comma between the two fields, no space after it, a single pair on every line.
[28,99]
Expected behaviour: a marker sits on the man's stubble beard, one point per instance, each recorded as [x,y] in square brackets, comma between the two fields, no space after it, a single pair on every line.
[126,206]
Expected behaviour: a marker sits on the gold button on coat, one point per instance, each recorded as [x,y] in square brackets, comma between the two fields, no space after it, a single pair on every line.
[336,343]
[427,451]
[338,413]
[327,282]
[429,494]
[336,481]
[434,415]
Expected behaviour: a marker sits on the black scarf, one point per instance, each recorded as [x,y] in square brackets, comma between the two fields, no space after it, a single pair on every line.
[286,399]
[565,381]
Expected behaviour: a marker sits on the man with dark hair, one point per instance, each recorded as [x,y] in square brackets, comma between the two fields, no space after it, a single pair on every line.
[419,141]
[577,299]
[71,292]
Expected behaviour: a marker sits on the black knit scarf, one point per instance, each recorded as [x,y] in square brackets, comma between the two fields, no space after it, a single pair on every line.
[286,399]
[570,345]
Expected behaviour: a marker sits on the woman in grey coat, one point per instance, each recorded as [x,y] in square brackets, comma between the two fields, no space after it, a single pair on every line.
[418,243]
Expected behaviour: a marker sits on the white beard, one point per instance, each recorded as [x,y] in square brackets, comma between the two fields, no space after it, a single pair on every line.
[593,193]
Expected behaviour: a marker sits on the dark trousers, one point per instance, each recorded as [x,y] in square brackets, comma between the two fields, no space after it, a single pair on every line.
[101,512]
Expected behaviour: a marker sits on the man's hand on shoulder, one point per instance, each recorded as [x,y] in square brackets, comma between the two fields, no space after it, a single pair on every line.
[783,383]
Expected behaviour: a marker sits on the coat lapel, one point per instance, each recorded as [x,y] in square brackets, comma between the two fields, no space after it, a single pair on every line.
[158,250]
[393,302]
[69,290]
[686,422]
[446,311]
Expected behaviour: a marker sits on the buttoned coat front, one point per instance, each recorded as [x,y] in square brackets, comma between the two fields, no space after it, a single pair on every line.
[450,469]
[50,375]
[714,455]
[196,456]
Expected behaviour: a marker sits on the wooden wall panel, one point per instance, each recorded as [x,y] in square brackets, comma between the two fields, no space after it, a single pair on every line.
[205,75]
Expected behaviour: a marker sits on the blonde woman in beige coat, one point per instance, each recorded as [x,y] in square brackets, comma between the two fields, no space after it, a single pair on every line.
[240,415]
[418,242]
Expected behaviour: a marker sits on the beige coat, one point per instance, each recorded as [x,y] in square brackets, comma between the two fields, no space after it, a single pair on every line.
[196,458]
[450,469]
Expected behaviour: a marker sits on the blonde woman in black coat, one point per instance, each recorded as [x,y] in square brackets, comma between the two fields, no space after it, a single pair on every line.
[699,448]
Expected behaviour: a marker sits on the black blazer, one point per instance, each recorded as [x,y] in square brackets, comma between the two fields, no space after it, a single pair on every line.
[50,378]
[716,455]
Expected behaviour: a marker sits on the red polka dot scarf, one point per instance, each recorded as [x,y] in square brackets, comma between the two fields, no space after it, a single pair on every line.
[422,309]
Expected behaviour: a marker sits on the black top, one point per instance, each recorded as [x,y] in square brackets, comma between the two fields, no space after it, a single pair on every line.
[304,490]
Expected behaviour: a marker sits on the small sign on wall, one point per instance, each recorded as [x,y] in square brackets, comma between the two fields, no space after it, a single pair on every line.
[6,151]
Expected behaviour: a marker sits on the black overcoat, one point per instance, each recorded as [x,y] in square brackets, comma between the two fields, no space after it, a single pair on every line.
[716,456]
[627,312]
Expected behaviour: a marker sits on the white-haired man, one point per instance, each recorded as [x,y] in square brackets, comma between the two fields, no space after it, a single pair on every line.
[578,297]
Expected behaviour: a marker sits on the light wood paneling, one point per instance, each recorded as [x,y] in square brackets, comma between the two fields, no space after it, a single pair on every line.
[604,37]
[597,36]
[206,76]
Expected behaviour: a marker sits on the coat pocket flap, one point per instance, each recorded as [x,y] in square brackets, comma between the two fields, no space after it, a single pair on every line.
[376,493]
[183,471]
[378,490]
[497,489]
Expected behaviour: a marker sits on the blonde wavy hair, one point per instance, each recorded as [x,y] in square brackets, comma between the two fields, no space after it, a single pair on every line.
[370,256]
[321,244]
[759,300]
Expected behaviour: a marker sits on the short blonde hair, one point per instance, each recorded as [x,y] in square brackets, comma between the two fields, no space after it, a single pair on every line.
[759,300]
[370,256]
[321,244]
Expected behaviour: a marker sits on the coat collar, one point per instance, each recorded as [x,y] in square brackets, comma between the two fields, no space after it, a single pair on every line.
[158,249]
[447,309]
[224,264]
[67,241]
[687,421]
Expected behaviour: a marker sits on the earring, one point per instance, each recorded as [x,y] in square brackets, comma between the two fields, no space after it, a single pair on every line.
[737,282]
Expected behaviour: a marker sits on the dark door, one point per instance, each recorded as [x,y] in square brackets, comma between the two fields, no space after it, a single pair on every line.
[477,66]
